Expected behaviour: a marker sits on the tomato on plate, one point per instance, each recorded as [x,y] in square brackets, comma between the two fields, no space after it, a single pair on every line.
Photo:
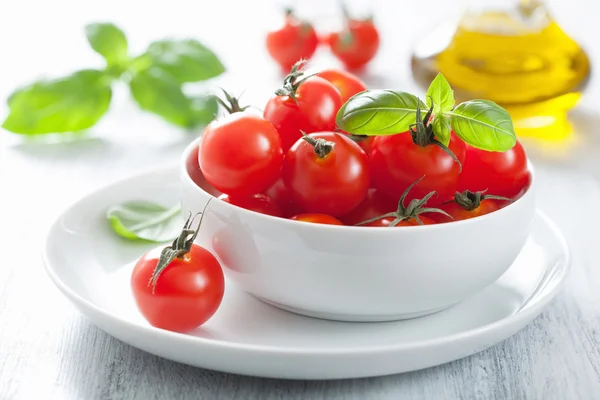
[346,83]
[468,205]
[317,219]
[376,203]
[293,41]
[307,104]
[283,197]
[501,173]
[259,203]
[355,45]
[327,173]
[178,287]
[397,160]
[240,154]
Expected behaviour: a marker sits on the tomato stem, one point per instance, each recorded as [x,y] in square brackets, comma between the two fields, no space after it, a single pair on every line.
[180,247]
[291,82]
[322,147]
[231,103]
[471,200]
[414,208]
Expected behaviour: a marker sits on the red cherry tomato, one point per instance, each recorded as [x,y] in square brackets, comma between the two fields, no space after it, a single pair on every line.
[317,219]
[259,203]
[331,184]
[356,45]
[187,293]
[384,222]
[283,197]
[396,161]
[293,41]
[375,204]
[458,213]
[240,154]
[502,174]
[346,83]
[318,102]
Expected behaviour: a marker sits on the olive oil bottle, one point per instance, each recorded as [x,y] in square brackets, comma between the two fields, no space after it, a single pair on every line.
[519,57]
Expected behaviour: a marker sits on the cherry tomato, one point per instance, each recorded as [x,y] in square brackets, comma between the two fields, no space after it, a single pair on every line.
[396,161]
[503,174]
[375,204]
[385,222]
[356,45]
[329,175]
[240,154]
[293,41]
[283,197]
[459,213]
[314,109]
[346,83]
[187,293]
[317,219]
[259,203]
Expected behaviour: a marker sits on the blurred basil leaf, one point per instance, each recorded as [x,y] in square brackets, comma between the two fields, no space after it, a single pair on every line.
[108,41]
[68,104]
[145,220]
[186,60]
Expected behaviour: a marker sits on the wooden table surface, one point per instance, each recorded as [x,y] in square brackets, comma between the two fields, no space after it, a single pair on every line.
[48,350]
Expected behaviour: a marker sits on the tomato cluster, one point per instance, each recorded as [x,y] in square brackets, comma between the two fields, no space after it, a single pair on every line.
[294,163]
[296,39]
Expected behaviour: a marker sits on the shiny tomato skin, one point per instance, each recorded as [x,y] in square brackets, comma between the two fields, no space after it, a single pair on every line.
[396,162]
[187,294]
[291,42]
[359,47]
[332,185]
[385,222]
[458,213]
[259,203]
[502,174]
[284,198]
[318,104]
[345,82]
[317,219]
[240,154]
[374,205]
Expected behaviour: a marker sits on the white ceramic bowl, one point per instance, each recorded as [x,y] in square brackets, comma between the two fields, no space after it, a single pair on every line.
[356,273]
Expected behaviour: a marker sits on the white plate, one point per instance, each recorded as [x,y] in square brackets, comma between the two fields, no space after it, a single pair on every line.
[92,266]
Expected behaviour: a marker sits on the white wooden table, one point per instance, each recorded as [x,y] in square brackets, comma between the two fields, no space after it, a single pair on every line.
[48,350]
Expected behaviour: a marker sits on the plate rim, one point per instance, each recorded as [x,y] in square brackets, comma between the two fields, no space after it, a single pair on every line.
[530,307]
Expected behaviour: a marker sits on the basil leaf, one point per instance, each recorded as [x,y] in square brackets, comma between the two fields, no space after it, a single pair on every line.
[108,41]
[483,124]
[145,220]
[68,104]
[157,91]
[186,60]
[203,109]
[441,94]
[378,112]
[441,129]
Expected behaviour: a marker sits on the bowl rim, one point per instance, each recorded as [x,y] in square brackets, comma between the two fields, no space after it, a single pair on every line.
[187,180]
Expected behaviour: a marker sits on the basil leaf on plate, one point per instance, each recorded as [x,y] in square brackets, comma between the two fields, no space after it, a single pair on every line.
[68,104]
[379,112]
[441,129]
[145,220]
[441,94]
[483,124]
[186,60]
[108,41]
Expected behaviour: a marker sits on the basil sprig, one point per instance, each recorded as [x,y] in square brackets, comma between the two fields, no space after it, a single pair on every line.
[481,123]
[156,77]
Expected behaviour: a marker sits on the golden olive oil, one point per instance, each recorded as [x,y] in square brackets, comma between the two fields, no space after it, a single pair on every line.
[522,60]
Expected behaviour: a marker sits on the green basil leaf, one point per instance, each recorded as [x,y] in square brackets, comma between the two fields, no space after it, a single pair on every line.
[68,104]
[187,60]
[441,94]
[483,124]
[145,220]
[378,112]
[441,129]
[108,41]
[203,109]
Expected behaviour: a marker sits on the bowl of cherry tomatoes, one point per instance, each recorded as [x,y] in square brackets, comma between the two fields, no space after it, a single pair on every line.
[314,220]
